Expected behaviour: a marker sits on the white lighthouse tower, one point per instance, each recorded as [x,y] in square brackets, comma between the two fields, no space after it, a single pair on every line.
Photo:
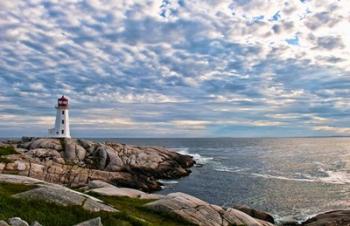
[62,120]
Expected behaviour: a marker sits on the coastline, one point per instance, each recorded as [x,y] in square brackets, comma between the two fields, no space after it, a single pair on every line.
[30,157]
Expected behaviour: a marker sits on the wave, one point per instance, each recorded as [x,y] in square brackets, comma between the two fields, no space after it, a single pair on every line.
[201,160]
[222,168]
[268,176]
[333,177]
[336,177]
[168,181]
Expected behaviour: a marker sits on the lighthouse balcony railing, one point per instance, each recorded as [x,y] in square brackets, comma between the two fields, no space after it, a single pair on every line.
[62,106]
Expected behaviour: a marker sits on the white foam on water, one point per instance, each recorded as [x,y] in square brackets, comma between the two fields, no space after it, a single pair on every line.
[197,157]
[333,177]
[336,177]
[168,181]
[268,176]
[222,168]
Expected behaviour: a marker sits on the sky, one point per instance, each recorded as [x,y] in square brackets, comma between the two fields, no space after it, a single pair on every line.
[182,68]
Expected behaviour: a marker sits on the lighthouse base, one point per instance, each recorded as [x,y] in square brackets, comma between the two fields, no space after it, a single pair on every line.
[55,134]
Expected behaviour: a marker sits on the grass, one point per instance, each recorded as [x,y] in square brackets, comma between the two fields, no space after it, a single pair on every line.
[135,207]
[4,151]
[10,189]
[8,150]
[132,212]
[51,214]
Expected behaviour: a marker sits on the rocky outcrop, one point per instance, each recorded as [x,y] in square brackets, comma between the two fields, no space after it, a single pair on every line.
[75,162]
[55,193]
[332,218]
[201,213]
[256,213]
[74,176]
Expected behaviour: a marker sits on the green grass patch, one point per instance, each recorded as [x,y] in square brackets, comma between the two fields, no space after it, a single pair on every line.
[135,207]
[8,150]
[132,212]
[5,160]
[50,214]
[10,189]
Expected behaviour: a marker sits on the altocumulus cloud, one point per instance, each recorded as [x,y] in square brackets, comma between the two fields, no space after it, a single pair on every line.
[176,68]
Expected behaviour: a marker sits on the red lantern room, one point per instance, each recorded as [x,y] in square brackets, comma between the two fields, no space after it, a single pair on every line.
[62,102]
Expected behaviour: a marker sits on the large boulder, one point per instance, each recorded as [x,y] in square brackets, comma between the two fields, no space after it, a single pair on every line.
[46,143]
[44,155]
[332,218]
[73,152]
[256,213]
[109,159]
[198,212]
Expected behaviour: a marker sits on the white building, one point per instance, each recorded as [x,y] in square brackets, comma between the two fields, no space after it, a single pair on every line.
[62,120]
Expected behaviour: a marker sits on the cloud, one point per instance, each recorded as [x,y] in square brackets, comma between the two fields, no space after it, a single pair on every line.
[330,43]
[179,68]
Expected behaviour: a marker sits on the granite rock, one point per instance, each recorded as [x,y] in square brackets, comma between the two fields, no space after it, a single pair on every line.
[331,218]
[55,193]
[201,213]
[75,162]
[16,221]
[2,222]
[256,213]
[92,222]
[105,189]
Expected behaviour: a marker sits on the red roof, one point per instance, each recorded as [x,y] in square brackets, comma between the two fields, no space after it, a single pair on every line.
[63,99]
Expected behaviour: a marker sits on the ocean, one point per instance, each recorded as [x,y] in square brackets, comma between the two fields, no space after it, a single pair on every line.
[288,177]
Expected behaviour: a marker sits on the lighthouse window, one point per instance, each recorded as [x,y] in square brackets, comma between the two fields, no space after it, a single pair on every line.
[63,131]
[62,112]
[62,121]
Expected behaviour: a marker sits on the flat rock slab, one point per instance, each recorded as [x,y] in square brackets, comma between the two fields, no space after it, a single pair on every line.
[55,193]
[202,213]
[65,197]
[52,194]
[106,189]
[17,179]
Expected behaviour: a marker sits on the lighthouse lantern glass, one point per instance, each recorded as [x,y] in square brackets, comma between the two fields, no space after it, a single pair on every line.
[63,102]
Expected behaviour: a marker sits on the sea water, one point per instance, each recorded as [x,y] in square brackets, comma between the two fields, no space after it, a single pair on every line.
[288,177]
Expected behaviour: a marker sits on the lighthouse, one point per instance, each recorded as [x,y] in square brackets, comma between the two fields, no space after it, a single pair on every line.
[62,120]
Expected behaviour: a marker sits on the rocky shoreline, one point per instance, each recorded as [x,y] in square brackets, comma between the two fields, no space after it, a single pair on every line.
[75,162]
[54,166]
